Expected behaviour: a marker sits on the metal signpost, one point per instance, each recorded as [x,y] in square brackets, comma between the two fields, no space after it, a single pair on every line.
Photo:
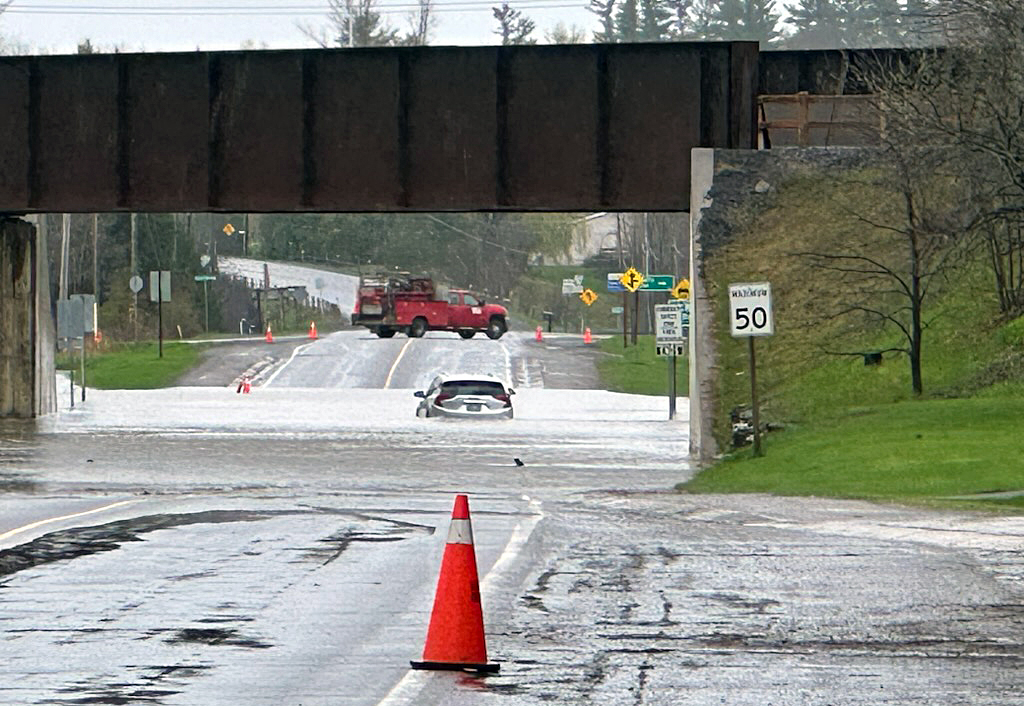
[672,326]
[135,284]
[750,315]
[160,292]
[206,298]
[76,316]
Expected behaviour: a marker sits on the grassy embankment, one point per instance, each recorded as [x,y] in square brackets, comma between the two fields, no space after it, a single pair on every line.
[857,431]
[136,366]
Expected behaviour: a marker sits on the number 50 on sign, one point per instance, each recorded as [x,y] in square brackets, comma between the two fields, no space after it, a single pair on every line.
[750,309]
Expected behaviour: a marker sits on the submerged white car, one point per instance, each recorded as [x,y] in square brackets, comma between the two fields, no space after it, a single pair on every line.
[466,396]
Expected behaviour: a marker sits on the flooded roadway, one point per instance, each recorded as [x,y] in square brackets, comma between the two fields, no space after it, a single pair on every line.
[283,546]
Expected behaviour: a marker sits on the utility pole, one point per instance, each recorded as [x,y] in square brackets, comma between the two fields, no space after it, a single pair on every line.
[622,266]
[95,264]
[65,236]
[135,298]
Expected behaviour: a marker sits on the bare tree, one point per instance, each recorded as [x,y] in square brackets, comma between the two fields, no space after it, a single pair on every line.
[421,23]
[969,96]
[906,245]
[352,23]
[561,34]
[604,9]
[513,26]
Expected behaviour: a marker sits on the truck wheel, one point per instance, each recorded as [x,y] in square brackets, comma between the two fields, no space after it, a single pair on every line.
[418,327]
[385,332]
[467,333]
[496,328]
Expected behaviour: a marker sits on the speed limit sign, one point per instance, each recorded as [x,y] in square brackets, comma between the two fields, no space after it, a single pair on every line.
[750,309]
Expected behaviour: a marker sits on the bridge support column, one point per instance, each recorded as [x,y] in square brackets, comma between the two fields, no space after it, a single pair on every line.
[27,335]
[703,353]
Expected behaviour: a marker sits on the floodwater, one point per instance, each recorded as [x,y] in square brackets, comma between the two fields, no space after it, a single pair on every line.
[201,546]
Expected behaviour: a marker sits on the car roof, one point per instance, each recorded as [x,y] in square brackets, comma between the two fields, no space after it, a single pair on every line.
[469,377]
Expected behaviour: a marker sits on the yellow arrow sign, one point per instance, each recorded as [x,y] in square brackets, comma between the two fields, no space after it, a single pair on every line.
[631,279]
[682,290]
[229,229]
[589,296]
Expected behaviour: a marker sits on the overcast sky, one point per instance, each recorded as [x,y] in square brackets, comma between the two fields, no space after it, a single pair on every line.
[57,26]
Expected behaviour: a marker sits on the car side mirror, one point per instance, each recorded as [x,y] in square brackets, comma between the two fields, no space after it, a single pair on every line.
[419,393]
[511,391]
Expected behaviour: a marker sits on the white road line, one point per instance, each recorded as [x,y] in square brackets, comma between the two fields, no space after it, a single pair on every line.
[286,363]
[40,523]
[407,690]
[387,383]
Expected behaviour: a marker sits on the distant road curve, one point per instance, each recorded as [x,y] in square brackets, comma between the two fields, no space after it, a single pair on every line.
[337,289]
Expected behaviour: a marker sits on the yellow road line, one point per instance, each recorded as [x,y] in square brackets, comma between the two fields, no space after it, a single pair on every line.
[387,383]
[40,523]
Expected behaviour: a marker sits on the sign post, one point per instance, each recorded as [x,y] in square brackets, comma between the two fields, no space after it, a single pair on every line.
[672,325]
[206,296]
[160,292]
[750,315]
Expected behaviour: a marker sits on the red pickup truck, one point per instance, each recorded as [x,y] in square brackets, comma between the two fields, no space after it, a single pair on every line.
[389,304]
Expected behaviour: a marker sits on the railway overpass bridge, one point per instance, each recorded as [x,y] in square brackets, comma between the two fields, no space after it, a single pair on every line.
[537,128]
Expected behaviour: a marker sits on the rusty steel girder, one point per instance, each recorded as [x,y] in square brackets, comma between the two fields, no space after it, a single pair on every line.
[538,128]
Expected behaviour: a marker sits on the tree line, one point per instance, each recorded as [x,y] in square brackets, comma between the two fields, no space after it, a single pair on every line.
[805,24]
[948,178]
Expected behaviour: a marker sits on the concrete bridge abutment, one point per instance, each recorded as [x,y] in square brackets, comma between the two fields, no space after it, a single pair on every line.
[27,335]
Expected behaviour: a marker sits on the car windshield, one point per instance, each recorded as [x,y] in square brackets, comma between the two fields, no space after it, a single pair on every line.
[472,387]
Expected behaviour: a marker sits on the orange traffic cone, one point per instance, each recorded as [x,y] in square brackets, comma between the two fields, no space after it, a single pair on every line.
[587,338]
[538,335]
[455,639]
[269,338]
[312,329]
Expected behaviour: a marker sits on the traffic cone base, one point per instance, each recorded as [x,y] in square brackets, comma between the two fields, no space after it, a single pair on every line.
[455,638]
[457,667]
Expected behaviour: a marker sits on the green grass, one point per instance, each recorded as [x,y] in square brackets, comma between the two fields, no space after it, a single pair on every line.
[636,369]
[133,366]
[905,451]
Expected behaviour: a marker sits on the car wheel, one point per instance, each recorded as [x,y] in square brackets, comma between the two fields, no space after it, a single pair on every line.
[418,327]
[385,332]
[467,333]
[495,328]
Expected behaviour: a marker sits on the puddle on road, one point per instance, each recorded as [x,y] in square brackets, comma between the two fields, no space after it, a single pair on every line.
[83,541]
[216,636]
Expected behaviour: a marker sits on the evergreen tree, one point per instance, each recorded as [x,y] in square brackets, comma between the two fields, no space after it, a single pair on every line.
[680,23]
[703,24]
[821,24]
[655,21]
[606,11]
[627,21]
[752,20]
[879,22]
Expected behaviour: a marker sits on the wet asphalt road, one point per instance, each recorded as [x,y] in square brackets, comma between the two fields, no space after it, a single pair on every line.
[282,548]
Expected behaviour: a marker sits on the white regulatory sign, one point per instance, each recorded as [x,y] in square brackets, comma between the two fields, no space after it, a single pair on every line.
[750,309]
[671,323]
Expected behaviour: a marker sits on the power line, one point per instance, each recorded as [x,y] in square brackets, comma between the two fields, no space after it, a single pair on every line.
[276,10]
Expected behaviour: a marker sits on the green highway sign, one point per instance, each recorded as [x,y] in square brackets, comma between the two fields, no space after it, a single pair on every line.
[204,278]
[658,283]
